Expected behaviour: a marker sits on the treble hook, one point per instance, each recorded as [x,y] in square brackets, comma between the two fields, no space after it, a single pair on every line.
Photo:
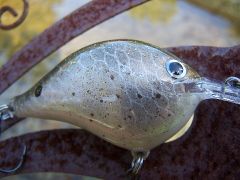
[5,114]
[19,165]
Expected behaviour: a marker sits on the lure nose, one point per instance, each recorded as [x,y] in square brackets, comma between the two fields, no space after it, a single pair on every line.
[208,89]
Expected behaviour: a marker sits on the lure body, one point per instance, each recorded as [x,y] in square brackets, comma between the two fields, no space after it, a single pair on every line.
[118,90]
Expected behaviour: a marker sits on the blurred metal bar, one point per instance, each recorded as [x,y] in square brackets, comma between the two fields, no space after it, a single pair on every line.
[4,125]
[209,150]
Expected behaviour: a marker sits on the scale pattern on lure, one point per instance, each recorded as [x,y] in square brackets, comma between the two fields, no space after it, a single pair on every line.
[118,90]
[129,93]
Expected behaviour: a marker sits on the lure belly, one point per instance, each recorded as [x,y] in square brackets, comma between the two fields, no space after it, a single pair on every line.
[130,93]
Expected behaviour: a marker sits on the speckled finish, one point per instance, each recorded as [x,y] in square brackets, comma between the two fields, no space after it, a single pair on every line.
[119,90]
[210,150]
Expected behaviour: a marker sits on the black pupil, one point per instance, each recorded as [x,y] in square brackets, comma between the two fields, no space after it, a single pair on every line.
[176,68]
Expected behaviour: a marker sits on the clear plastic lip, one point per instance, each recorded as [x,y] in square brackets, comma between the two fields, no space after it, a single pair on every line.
[221,91]
[210,89]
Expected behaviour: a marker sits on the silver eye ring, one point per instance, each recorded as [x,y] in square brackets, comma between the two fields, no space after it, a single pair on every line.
[176,69]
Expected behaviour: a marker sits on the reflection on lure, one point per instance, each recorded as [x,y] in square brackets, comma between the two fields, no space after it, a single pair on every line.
[132,94]
[182,131]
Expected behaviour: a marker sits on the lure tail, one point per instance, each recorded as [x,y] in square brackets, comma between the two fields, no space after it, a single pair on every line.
[5,112]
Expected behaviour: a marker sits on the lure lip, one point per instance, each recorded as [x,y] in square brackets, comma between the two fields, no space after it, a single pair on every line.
[211,89]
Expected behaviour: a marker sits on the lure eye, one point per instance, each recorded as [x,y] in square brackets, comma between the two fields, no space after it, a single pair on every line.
[176,69]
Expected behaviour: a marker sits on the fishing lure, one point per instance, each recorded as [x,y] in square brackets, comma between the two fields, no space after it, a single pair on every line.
[129,93]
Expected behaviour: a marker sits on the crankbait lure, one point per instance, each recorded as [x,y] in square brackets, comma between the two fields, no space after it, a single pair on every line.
[130,93]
